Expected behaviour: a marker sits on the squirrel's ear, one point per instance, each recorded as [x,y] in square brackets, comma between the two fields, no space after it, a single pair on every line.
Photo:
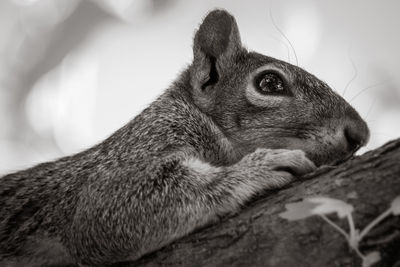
[216,42]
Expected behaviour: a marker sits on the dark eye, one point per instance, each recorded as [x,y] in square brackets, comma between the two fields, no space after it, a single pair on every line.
[270,83]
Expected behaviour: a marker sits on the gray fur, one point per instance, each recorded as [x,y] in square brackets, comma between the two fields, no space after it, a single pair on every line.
[196,153]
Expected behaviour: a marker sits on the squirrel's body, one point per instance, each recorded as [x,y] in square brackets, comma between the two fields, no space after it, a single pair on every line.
[201,150]
[125,159]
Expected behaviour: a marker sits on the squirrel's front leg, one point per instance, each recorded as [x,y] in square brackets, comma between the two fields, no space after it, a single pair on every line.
[179,196]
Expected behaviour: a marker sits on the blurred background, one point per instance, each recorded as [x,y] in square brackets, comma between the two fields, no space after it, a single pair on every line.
[74,71]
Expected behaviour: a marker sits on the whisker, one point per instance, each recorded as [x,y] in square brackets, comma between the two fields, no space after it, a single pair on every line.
[284,36]
[370,108]
[371,121]
[381,133]
[286,45]
[367,88]
[354,75]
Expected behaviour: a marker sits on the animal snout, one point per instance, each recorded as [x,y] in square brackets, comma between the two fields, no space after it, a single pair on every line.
[356,134]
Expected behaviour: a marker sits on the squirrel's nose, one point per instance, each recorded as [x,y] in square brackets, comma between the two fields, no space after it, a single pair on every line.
[356,133]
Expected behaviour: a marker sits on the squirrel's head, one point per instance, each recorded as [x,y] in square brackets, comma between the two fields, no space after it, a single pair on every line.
[259,101]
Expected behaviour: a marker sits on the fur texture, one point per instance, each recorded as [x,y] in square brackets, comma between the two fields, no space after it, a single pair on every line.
[207,145]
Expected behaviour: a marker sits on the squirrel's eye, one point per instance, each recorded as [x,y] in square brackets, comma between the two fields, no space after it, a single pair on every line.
[270,83]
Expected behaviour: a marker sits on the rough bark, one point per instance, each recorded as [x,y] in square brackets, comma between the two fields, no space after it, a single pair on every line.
[257,236]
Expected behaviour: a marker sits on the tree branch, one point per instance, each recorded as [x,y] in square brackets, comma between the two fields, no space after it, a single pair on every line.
[257,236]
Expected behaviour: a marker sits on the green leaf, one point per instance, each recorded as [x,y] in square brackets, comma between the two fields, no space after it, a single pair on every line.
[327,205]
[395,206]
[371,258]
[298,210]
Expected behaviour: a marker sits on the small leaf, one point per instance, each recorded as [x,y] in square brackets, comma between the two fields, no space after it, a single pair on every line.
[395,206]
[371,258]
[314,206]
[298,210]
[327,205]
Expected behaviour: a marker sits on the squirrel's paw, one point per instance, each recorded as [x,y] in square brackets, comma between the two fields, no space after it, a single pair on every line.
[277,167]
[292,161]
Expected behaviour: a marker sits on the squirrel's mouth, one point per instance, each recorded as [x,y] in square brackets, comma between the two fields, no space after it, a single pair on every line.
[330,156]
[348,157]
[344,159]
[325,148]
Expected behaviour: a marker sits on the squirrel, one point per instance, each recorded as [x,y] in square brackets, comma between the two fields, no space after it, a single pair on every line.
[234,124]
